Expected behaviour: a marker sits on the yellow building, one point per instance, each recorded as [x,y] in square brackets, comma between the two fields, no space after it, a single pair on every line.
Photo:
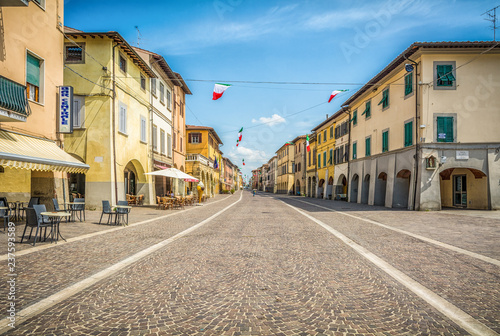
[426,135]
[311,172]
[32,164]
[202,150]
[300,164]
[112,112]
[341,153]
[325,143]
[285,178]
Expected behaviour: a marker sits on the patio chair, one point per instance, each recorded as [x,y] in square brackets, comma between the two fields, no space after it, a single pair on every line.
[168,203]
[32,222]
[160,205]
[121,212]
[5,214]
[106,210]
[33,201]
[139,200]
[130,199]
[44,221]
[78,209]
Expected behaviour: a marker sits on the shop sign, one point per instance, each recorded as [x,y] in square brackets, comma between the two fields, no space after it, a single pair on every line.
[65,117]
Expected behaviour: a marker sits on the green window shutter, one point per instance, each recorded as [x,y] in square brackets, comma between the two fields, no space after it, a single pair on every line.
[319,160]
[445,75]
[355,117]
[331,156]
[367,146]
[354,150]
[385,98]
[408,84]
[409,134]
[367,111]
[445,129]
[33,70]
[324,159]
[385,141]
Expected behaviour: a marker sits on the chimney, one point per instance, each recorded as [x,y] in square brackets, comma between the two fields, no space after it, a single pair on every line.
[327,116]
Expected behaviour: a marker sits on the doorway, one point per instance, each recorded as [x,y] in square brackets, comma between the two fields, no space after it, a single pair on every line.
[460,191]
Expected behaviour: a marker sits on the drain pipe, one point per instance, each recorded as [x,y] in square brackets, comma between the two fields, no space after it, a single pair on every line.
[417,145]
[113,128]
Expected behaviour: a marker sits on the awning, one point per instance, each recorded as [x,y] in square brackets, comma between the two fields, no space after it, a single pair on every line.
[27,152]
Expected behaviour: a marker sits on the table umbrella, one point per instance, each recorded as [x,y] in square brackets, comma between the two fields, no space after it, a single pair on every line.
[175,173]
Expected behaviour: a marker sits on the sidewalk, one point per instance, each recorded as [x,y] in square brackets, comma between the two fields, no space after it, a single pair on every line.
[89,226]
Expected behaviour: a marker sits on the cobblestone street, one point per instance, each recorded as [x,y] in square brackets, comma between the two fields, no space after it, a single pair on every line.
[263,265]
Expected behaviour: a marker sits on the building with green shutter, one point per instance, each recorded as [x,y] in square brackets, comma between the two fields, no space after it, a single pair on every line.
[425,134]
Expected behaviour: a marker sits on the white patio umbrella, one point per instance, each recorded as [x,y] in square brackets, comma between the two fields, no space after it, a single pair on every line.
[175,173]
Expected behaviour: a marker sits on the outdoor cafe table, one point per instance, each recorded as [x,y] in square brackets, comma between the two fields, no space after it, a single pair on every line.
[121,207]
[74,203]
[56,217]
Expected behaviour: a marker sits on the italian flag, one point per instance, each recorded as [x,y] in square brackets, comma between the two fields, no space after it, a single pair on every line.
[243,162]
[240,134]
[334,93]
[288,143]
[307,144]
[219,90]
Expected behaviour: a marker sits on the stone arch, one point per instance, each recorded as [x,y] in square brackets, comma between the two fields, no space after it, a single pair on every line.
[380,189]
[365,190]
[342,181]
[401,193]
[463,187]
[353,197]
[321,188]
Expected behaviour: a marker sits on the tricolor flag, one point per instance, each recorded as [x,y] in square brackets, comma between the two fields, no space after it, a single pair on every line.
[334,93]
[243,160]
[307,144]
[219,90]
[240,134]
[288,143]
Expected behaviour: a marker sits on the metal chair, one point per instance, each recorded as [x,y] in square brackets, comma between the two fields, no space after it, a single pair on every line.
[5,214]
[78,208]
[121,212]
[35,221]
[106,210]
[33,201]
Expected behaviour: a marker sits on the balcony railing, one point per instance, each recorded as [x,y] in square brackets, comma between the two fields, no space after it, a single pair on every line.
[14,104]
[200,158]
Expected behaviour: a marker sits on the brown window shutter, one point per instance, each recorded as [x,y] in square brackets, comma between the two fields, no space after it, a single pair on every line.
[200,137]
[189,137]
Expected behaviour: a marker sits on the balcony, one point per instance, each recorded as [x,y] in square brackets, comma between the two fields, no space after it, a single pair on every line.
[201,159]
[14,104]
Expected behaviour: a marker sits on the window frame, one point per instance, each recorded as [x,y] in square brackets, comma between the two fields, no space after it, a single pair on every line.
[368,110]
[169,145]
[79,112]
[162,93]
[453,72]
[162,141]
[368,146]
[40,89]
[405,141]
[454,125]
[122,118]
[154,138]
[355,117]
[120,57]
[143,82]
[80,45]
[408,84]
[143,131]
[168,99]
[385,140]
[354,150]
[385,99]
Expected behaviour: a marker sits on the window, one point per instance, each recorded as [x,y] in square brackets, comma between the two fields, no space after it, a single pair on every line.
[162,141]
[169,145]
[330,161]
[40,3]
[409,133]
[78,111]
[33,77]
[194,138]
[155,138]
[319,160]
[143,82]
[337,132]
[354,118]
[367,111]
[74,54]
[368,146]
[385,141]
[123,119]
[310,158]
[324,135]
[162,93]
[122,63]
[319,138]
[324,159]
[169,99]
[153,86]
[408,83]
[331,132]
[354,150]
[143,129]
[445,129]
[444,75]
[385,99]
[180,143]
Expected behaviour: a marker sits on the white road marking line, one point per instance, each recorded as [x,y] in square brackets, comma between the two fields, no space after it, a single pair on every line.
[48,302]
[454,313]
[93,234]
[414,235]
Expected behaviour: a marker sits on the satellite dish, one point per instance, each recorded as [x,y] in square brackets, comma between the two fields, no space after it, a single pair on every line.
[408,67]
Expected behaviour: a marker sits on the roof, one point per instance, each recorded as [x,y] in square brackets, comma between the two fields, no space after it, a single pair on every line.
[335,115]
[403,57]
[298,138]
[206,128]
[183,84]
[120,41]
[162,63]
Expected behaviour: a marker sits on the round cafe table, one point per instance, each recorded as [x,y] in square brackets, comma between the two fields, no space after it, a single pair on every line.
[56,217]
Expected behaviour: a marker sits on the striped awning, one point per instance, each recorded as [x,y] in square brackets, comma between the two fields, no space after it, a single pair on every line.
[27,152]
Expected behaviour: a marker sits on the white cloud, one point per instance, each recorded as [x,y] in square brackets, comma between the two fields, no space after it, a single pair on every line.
[250,155]
[273,120]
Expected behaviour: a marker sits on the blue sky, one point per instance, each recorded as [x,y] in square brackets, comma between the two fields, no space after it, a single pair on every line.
[323,41]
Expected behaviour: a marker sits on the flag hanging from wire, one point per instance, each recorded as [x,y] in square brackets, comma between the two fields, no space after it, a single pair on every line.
[334,93]
[219,89]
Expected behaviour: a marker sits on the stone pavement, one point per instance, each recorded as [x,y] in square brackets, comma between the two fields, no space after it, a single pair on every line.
[260,268]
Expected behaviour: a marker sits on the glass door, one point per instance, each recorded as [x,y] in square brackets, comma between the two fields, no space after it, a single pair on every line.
[460,191]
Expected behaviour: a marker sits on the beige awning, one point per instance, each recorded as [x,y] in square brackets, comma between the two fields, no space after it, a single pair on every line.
[27,152]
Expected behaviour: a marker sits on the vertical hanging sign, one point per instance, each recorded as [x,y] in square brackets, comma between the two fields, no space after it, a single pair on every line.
[65,117]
